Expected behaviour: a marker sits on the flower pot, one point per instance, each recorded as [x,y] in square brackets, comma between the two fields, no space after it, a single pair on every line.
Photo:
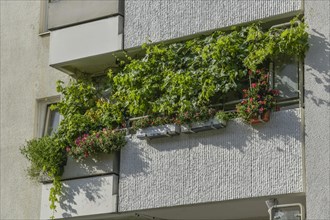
[158,131]
[203,126]
[261,118]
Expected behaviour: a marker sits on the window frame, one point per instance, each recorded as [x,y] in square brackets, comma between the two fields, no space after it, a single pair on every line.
[292,101]
[43,24]
[43,105]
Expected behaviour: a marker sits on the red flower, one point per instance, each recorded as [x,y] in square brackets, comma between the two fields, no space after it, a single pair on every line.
[253,85]
[261,110]
[275,92]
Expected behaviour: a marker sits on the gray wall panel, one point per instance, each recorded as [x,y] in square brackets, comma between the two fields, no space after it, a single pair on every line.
[160,20]
[239,161]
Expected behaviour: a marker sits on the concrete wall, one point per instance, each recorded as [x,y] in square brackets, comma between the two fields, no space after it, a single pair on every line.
[317,110]
[25,76]
[160,20]
[63,13]
[236,162]
[83,197]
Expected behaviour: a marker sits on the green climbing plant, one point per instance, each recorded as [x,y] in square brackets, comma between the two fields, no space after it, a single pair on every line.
[186,76]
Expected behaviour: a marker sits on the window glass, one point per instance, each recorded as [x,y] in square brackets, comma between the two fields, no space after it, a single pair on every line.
[51,122]
[286,75]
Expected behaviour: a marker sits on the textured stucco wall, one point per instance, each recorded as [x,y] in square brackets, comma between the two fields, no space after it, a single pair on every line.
[239,161]
[83,197]
[160,20]
[317,110]
[25,76]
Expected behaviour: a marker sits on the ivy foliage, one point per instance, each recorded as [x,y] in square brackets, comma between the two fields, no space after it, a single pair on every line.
[84,110]
[184,76]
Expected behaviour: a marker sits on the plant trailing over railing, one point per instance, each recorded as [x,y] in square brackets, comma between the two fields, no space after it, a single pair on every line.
[173,83]
[90,125]
[184,76]
[47,158]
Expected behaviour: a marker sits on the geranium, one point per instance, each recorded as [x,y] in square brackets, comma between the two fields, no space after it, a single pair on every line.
[258,98]
[104,141]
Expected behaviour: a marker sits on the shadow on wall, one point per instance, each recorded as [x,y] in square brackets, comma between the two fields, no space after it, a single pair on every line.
[238,135]
[320,63]
[91,192]
[136,160]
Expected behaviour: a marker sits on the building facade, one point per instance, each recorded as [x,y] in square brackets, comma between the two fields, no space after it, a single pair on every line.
[219,174]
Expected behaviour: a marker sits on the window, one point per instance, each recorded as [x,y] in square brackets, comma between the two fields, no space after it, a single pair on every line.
[51,121]
[287,77]
[47,119]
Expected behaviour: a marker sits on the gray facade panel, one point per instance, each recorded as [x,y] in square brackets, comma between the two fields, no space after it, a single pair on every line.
[237,162]
[317,110]
[159,20]
[64,13]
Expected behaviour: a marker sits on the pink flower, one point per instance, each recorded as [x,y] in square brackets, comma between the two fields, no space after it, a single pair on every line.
[251,99]
[261,110]
[253,85]
[67,149]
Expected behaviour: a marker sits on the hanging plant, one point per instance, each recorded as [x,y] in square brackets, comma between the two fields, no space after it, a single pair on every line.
[47,158]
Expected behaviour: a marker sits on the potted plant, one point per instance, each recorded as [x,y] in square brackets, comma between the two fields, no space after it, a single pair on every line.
[258,100]
[155,127]
[104,141]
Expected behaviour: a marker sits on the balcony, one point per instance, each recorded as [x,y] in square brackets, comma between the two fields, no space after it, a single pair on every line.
[68,13]
[89,188]
[85,35]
